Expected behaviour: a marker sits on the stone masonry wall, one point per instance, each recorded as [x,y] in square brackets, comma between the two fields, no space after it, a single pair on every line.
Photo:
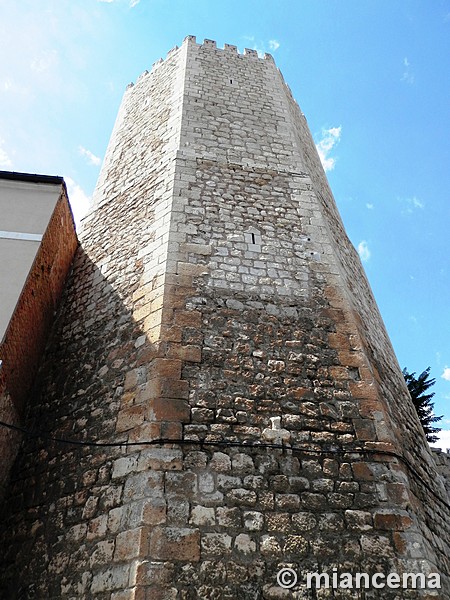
[67,506]
[442,460]
[214,292]
[395,418]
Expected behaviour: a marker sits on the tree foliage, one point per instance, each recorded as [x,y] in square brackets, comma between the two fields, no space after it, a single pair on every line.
[417,387]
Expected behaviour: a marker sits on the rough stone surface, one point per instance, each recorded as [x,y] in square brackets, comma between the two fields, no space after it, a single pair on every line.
[215,290]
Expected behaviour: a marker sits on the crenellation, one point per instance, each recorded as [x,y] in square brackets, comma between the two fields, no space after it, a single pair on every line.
[230,48]
[142,76]
[171,52]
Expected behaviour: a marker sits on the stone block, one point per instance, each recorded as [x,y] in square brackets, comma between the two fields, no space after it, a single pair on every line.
[220,462]
[202,249]
[202,515]
[398,494]
[287,501]
[242,497]
[165,367]
[228,517]
[115,519]
[192,270]
[97,527]
[245,544]
[168,409]
[376,546]
[304,521]
[215,544]
[102,553]
[153,320]
[362,471]
[124,465]
[270,546]
[164,387]
[155,573]
[129,594]
[358,520]
[188,318]
[131,544]
[171,333]
[142,312]
[296,545]
[187,353]
[147,511]
[164,459]
[175,543]
[143,484]
[146,432]
[392,520]
[253,520]
[114,578]
[365,429]
[131,380]
[130,417]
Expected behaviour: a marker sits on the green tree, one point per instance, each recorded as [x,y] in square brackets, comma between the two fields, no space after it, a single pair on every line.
[417,387]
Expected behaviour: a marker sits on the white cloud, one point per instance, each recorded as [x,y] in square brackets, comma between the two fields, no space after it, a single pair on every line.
[92,159]
[330,137]
[446,374]
[443,441]
[7,85]
[369,206]
[132,3]
[5,160]
[274,45]
[363,251]
[45,62]
[416,202]
[411,204]
[259,46]
[407,76]
[78,200]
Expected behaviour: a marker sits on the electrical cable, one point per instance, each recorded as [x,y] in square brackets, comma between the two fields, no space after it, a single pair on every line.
[222,443]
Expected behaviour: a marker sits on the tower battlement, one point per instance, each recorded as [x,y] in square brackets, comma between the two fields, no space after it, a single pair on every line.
[228,49]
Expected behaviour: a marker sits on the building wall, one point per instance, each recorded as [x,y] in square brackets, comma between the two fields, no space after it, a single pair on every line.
[25,209]
[36,279]
[214,291]
[442,460]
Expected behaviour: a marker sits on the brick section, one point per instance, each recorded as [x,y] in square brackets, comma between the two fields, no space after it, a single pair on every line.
[24,341]
[27,332]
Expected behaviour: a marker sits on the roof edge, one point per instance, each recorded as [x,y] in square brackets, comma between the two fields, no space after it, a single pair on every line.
[31,177]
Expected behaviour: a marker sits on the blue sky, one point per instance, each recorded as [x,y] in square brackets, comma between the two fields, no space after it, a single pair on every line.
[372,77]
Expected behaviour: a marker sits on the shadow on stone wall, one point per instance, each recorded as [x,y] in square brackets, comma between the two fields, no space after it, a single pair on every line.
[56,487]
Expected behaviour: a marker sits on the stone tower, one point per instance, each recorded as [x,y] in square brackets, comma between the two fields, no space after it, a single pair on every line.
[222,364]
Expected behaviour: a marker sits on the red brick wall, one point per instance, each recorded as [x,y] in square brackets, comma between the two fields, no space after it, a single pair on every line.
[27,332]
